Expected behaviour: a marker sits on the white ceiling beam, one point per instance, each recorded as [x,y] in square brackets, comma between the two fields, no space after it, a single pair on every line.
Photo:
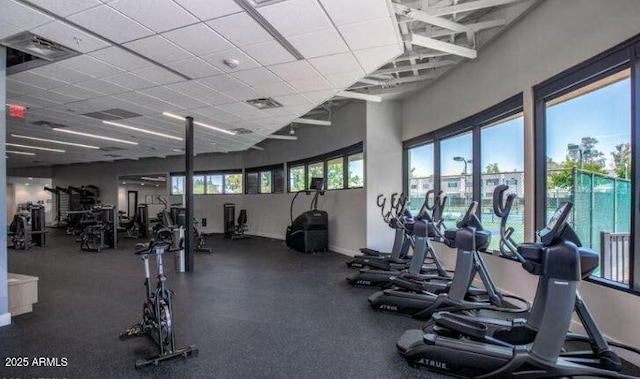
[446,47]
[427,18]
[419,55]
[369,81]
[406,79]
[282,136]
[468,6]
[312,121]
[476,27]
[359,96]
[421,66]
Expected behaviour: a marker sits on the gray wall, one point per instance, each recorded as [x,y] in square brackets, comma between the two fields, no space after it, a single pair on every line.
[268,214]
[5,318]
[553,37]
[35,172]
[383,167]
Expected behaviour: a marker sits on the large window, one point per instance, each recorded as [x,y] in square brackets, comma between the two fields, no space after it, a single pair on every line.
[296,178]
[265,179]
[233,183]
[335,173]
[214,184]
[356,170]
[420,175]
[502,155]
[177,185]
[588,162]
[456,167]
[208,184]
[265,182]
[198,184]
[316,170]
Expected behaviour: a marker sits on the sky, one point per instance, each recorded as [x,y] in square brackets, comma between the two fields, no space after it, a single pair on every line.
[604,114]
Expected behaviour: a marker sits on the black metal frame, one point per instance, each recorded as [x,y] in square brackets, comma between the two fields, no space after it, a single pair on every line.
[259,171]
[223,173]
[625,55]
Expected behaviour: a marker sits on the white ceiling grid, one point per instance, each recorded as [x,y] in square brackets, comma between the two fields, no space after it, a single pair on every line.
[152,56]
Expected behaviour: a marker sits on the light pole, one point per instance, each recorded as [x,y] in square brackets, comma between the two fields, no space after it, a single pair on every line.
[573,147]
[465,172]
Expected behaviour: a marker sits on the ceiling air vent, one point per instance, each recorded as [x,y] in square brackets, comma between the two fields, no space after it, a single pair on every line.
[264,103]
[38,47]
[112,114]
[241,131]
[49,124]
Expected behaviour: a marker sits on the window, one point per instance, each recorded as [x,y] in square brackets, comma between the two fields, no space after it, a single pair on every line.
[502,161]
[588,162]
[198,184]
[278,180]
[233,183]
[335,173]
[214,184]
[177,185]
[296,179]
[316,170]
[456,171]
[356,170]
[420,175]
[252,185]
[265,182]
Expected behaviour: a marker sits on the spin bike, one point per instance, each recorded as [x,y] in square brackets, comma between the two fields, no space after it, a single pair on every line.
[157,319]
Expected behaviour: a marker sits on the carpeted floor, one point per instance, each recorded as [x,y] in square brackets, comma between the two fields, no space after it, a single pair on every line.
[253,308]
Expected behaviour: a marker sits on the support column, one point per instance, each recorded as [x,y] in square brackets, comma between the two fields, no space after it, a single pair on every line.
[188,187]
[529,166]
[5,317]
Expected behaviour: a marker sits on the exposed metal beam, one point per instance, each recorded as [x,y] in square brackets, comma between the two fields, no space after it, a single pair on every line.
[469,6]
[419,55]
[369,81]
[446,47]
[419,15]
[406,79]
[476,27]
[421,66]
[359,96]
[282,136]
[312,121]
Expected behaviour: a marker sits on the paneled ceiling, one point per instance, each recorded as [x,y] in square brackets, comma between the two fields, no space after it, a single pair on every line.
[139,58]
[136,59]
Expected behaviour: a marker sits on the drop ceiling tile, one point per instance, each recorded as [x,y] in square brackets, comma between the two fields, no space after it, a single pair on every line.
[162,93]
[204,11]
[217,114]
[282,112]
[294,70]
[103,87]
[316,83]
[217,59]
[316,44]
[158,75]
[58,71]
[35,102]
[364,35]
[256,76]
[293,100]
[185,102]
[295,17]
[73,38]
[145,101]
[67,7]
[111,24]
[157,15]
[37,80]
[231,87]
[276,89]
[7,29]
[353,11]
[345,79]
[120,58]
[75,91]
[320,96]
[198,39]
[242,110]
[57,97]
[22,16]
[129,80]
[269,53]
[20,87]
[240,29]
[110,102]
[335,64]
[194,68]
[90,66]
[158,49]
[201,92]
[374,58]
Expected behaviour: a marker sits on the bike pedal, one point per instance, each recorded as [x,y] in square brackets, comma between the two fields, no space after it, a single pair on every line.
[132,331]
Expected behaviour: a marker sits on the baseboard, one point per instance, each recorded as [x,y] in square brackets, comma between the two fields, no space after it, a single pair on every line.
[267,235]
[5,319]
[343,251]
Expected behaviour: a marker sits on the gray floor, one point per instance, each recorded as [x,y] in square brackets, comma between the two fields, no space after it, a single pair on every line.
[254,309]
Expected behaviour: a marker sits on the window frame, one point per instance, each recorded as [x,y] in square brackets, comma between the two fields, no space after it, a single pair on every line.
[272,169]
[625,55]
[207,174]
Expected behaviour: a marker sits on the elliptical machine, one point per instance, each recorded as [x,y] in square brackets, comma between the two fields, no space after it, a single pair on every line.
[309,232]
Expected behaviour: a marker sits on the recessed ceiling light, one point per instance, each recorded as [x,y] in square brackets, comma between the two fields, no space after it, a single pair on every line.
[19,152]
[36,148]
[141,130]
[55,141]
[171,115]
[26,184]
[94,136]
[177,150]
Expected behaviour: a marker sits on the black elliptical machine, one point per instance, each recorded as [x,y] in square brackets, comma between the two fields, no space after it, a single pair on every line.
[309,232]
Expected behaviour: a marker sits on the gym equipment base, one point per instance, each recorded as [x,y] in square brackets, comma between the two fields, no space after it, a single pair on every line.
[191,351]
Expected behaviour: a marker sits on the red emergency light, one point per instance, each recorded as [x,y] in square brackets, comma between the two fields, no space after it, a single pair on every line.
[16,110]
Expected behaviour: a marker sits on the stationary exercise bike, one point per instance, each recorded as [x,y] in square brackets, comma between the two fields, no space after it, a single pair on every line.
[157,312]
